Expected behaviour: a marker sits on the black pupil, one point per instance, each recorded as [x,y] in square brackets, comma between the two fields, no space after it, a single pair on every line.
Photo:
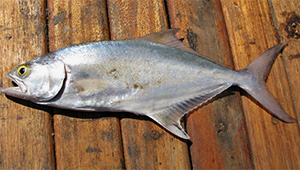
[22,71]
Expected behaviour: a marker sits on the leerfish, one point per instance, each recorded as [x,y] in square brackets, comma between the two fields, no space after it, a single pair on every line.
[155,75]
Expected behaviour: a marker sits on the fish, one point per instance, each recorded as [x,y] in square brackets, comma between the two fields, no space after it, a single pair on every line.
[155,75]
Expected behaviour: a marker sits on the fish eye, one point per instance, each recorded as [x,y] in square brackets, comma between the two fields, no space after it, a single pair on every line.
[22,70]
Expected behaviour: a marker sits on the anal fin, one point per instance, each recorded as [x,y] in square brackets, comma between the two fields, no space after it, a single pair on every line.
[171,122]
[169,117]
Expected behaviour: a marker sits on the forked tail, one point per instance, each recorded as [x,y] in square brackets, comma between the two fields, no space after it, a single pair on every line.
[259,70]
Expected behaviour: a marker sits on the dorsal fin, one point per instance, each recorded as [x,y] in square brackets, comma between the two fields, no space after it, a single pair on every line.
[168,38]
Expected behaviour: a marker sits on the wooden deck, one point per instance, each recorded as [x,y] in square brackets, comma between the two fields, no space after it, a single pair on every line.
[231,132]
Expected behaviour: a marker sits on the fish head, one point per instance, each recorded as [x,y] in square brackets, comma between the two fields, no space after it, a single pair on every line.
[36,80]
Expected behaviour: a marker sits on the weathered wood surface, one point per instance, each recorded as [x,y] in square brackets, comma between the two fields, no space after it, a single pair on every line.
[249,23]
[231,132]
[83,140]
[25,133]
[218,130]
[143,140]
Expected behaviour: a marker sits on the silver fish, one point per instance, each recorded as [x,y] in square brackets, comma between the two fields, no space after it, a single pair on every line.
[156,76]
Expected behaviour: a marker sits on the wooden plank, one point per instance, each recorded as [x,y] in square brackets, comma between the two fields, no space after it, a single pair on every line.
[25,132]
[83,140]
[218,129]
[286,19]
[275,145]
[146,145]
[287,23]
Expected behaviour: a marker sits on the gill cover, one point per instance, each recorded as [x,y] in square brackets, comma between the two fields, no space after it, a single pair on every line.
[51,81]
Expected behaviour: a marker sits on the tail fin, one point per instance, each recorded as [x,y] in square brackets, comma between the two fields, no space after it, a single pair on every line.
[259,69]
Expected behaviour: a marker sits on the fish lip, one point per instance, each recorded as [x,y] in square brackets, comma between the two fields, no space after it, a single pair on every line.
[10,89]
[21,86]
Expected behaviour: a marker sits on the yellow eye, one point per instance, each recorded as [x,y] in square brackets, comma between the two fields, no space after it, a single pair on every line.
[22,70]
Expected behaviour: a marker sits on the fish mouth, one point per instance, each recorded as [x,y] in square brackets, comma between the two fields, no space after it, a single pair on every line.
[19,86]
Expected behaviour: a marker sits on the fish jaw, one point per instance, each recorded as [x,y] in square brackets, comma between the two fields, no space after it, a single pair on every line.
[20,91]
[12,91]
[17,93]
[20,84]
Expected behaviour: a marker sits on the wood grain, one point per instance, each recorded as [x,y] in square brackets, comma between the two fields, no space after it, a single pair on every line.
[231,132]
[275,145]
[146,145]
[218,129]
[83,140]
[25,133]
[286,19]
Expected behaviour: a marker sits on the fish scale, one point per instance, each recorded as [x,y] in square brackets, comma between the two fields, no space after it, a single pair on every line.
[155,75]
